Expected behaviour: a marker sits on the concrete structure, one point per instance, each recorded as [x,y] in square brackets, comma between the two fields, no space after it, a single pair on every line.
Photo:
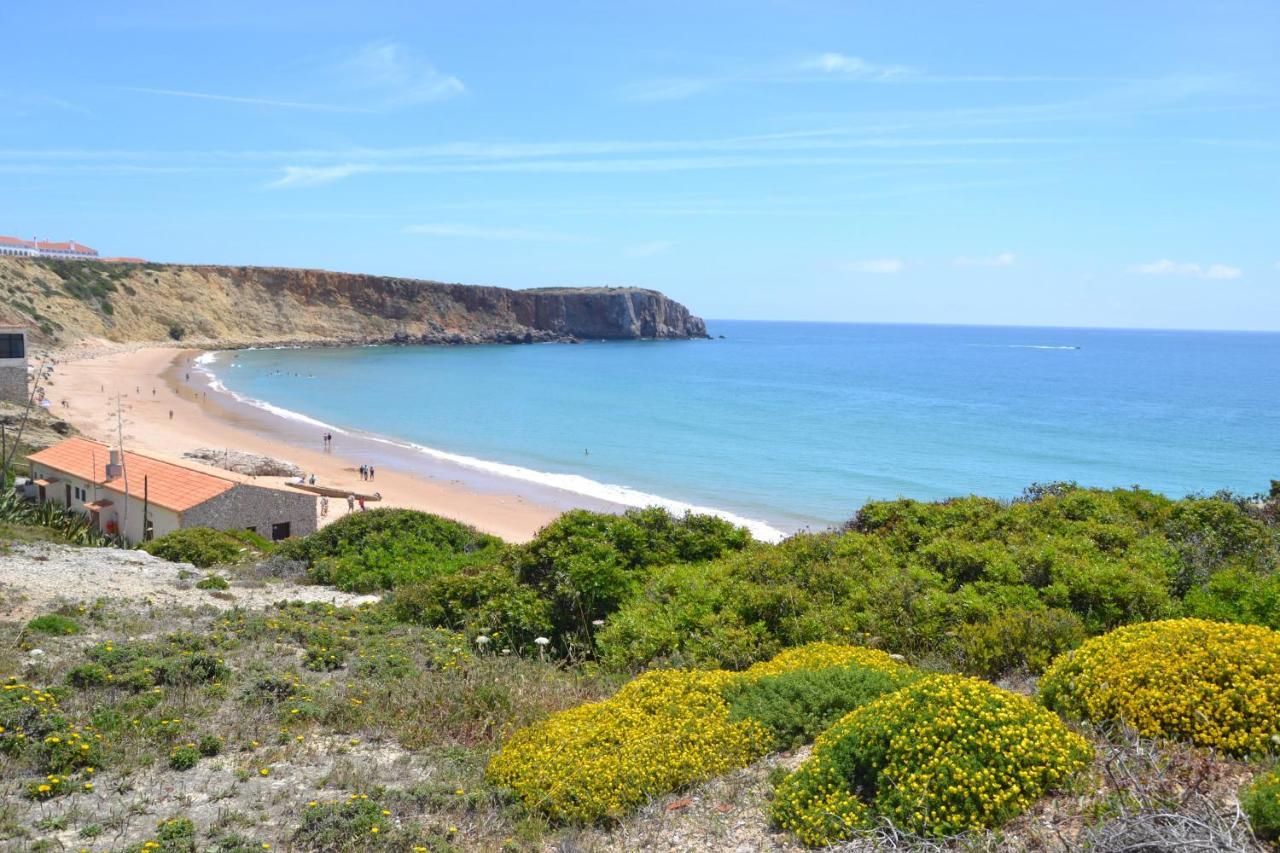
[70,250]
[13,364]
[92,479]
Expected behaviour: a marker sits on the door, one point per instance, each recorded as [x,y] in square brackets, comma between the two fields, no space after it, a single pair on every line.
[68,496]
[279,531]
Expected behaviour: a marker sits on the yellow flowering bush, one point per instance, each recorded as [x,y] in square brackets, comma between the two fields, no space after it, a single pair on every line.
[816,656]
[941,756]
[661,731]
[1214,684]
[28,714]
[1261,802]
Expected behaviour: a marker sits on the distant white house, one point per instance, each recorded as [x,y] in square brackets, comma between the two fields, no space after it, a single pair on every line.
[140,497]
[70,250]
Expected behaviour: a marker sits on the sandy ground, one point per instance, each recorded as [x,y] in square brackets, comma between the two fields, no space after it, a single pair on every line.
[35,578]
[153,382]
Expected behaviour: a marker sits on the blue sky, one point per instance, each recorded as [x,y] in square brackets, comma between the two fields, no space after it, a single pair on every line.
[1067,163]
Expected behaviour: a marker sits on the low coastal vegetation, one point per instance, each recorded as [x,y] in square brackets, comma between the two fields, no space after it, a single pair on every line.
[618,672]
[203,547]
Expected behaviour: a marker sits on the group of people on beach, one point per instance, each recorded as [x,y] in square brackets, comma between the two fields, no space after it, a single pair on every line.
[366,472]
[327,439]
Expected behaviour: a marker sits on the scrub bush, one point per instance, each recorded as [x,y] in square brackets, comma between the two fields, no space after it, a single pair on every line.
[799,705]
[386,548]
[1214,684]
[670,728]
[662,731]
[54,625]
[215,582]
[1261,802]
[198,546]
[945,755]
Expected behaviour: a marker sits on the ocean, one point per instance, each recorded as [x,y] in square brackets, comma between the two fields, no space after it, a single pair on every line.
[795,425]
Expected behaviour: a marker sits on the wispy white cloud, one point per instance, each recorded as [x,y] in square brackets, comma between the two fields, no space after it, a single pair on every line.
[484,233]
[878,266]
[307,175]
[648,250]
[852,67]
[1004,259]
[237,99]
[393,75]
[314,176]
[1187,269]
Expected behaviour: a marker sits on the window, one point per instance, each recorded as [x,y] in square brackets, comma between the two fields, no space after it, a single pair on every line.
[252,529]
[12,346]
[279,531]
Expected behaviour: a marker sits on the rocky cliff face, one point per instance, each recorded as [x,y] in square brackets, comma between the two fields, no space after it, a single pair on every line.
[65,302]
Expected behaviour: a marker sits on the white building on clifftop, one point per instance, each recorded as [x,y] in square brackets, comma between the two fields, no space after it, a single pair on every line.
[70,250]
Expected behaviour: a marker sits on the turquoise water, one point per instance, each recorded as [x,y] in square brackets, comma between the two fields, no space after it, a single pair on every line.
[798,424]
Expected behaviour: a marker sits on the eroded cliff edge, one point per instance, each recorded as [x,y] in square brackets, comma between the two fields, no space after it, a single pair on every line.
[66,302]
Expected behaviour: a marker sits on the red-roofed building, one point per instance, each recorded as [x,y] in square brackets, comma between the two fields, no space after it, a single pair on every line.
[116,490]
[70,250]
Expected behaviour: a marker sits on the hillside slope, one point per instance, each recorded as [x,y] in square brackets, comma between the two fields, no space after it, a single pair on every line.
[65,302]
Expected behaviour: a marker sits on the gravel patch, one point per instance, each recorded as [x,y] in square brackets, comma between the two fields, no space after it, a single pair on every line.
[35,578]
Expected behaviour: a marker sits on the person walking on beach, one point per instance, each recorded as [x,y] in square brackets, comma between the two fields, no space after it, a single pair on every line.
[313,479]
[324,507]
[351,502]
[362,472]
[171,414]
[361,502]
[370,472]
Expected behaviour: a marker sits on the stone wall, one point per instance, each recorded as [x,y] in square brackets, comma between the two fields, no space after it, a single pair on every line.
[13,383]
[258,507]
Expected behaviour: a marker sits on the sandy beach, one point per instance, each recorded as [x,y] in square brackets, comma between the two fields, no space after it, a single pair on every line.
[153,382]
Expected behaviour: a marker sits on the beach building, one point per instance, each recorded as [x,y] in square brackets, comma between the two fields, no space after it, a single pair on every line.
[13,364]
[117,489]
[70,250]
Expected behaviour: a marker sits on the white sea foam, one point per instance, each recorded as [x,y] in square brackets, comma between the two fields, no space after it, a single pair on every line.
[574,483]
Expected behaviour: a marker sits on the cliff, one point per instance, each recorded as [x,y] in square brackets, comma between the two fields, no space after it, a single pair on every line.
[67,302]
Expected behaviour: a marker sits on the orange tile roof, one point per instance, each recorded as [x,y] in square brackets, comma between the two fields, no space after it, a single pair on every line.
[168,485]
[68,246]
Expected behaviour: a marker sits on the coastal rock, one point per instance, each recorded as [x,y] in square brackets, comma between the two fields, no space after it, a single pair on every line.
[64,302]
[252,464]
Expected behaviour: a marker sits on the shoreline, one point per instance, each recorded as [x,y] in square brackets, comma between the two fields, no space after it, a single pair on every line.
[152,381]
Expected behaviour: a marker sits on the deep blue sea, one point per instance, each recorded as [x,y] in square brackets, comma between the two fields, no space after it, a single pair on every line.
[798,424]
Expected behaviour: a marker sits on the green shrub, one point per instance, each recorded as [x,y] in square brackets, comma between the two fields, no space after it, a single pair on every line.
[1029,638]
[942,756]
[213,582]
[797,706]
[476,600]
[323,658]
[175,835]
[89,675]
[199,546]
[1214,684]
[48,788]
[55,625]
[585,565]
[1261,802]
[344,825]
[1237,595]
[184,757]
[209,745]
